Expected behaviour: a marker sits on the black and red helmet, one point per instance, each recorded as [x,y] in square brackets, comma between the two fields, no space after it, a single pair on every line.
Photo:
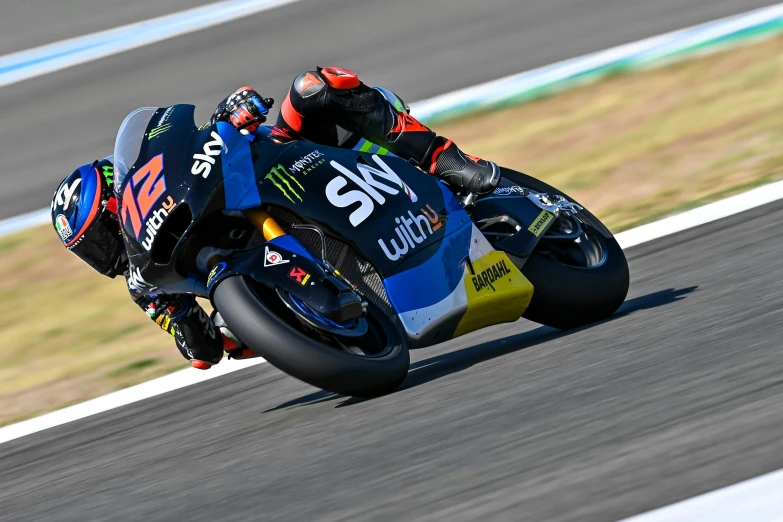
[84,216]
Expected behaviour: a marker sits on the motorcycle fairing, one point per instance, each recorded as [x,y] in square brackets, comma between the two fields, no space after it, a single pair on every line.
[173,137]
[295,271]
[430,284]
[239,181]
[361,198]
[464,287]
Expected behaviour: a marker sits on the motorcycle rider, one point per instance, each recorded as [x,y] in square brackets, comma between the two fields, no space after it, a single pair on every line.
[329,106]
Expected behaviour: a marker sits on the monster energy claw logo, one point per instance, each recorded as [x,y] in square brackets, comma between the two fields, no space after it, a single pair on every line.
[108,173]
[157,131]
[279,176]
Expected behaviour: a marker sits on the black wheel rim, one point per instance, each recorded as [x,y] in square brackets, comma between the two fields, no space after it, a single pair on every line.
[588,251]
[377,340]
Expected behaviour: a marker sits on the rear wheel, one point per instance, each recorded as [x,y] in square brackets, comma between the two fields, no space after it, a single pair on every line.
[363,358]
[576,280]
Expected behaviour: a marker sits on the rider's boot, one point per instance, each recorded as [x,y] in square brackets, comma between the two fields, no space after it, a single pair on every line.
[469,174]
[231,344]
[440,156]
[197,339]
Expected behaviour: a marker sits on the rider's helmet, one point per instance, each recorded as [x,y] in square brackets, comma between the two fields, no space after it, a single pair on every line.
[84,215]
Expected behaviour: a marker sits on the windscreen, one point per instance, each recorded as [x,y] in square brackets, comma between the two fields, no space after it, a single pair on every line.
[129,140]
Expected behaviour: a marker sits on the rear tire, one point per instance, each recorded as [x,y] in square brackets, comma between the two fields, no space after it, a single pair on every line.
[310,360]
[566,296]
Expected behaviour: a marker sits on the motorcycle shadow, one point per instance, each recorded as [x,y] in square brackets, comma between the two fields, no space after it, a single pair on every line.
[428,370]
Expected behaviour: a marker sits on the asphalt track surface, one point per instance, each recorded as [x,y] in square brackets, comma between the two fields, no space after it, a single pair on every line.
[53,123]
[679,394]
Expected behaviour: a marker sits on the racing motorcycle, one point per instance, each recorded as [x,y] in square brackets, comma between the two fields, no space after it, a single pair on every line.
[332,263]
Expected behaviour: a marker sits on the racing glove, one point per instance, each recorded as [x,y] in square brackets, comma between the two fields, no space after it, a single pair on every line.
[245,109]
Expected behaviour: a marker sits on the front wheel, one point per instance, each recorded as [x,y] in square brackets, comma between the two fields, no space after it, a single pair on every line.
[367,363]
[578,281]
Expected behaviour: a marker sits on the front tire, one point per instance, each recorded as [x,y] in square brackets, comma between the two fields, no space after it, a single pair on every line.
[285,346]
[568,296]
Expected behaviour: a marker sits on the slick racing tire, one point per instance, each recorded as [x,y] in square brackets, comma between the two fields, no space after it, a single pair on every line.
[283,344]
[565,294]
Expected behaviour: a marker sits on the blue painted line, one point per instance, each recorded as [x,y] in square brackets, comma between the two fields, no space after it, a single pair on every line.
[48,58]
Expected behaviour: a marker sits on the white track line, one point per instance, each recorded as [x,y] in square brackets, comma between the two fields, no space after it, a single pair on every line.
[702,215]
[21,222]
[139,392]
[52,57]
[759,499]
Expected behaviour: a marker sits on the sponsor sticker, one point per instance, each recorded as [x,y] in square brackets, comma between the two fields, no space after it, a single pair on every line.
[162,125]
[508,191]
[540,223]
[156,220]
[157,131]
[163,321]
[369,189]
[282,179]
[299,275]
[406,229]
[63,227]
[496,290]
[487,277]
[308,163]
[272,258]
[64,194]
[216,271]
[108,174]
[203,162]
[137,283]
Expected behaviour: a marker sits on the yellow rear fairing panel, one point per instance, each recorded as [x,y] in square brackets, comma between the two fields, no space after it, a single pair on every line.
[497,293]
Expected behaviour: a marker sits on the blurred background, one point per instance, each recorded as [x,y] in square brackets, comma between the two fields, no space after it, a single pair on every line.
[633,144]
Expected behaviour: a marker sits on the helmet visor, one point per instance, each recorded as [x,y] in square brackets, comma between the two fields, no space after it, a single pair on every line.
[101,245]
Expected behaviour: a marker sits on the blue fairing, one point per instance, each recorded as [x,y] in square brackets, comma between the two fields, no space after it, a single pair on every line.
[239,179]
[292,244]
[418,287]
[440,274]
